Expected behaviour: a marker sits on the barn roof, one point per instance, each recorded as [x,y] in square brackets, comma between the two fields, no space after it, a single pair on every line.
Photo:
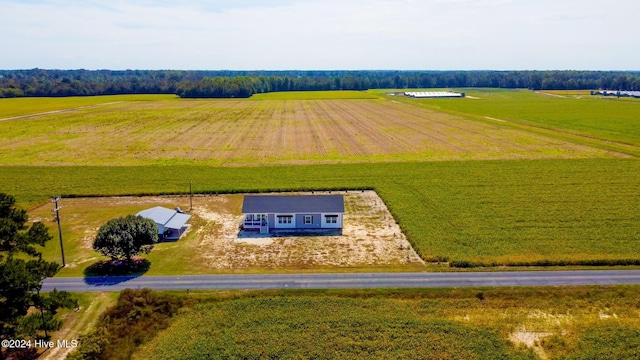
[168,218]
[254,204]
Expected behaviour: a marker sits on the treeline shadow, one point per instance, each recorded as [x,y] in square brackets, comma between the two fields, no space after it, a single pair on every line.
[113,272]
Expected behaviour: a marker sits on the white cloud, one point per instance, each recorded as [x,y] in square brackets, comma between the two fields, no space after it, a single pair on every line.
[319,34]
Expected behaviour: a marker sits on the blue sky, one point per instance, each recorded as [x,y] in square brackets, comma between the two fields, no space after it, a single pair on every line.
[321,34]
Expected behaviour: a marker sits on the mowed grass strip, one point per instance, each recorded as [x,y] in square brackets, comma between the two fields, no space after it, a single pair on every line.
[507,323]
[247,132]
[485,213]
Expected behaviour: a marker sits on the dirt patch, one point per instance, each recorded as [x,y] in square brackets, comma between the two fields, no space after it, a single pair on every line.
[530,339]
[604,316]
[494,119]
[550,94]
[370,237]
[76,323]
[214,243]
[537,326]
[547,320]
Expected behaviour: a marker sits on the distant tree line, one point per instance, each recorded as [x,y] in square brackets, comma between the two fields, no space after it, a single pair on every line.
[226,83]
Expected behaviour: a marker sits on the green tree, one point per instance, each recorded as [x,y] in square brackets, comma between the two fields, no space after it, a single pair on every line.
[125,237]
[22,271]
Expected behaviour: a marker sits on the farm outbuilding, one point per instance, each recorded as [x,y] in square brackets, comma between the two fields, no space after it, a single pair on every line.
[617,93]
[171,223]
[269,213]
[433,94]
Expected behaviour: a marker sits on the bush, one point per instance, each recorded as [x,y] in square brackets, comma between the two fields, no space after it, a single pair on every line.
[125,237]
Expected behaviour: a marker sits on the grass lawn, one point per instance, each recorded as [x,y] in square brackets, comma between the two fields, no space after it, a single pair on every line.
[506,211]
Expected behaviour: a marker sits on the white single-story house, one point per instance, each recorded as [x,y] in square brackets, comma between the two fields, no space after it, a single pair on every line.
[267,213]
[171,223]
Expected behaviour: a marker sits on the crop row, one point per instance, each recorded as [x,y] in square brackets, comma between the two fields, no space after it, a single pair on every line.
[471,213]
[613,120]
[252,132]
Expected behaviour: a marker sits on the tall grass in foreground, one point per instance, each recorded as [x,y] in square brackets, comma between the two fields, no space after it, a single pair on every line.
[476,213]
[329,327]
[567,323]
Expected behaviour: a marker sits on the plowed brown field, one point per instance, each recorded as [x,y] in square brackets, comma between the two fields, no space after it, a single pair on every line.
[240,132]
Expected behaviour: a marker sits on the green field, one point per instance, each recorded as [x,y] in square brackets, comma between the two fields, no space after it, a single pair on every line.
[593,117]
[525,323]
[577,208]
[12,107]
[490,213]
[497,179]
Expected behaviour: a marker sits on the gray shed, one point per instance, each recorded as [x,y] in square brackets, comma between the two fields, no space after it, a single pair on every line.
[171,223]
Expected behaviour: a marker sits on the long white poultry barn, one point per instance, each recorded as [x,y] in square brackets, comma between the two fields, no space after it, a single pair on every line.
[432,94]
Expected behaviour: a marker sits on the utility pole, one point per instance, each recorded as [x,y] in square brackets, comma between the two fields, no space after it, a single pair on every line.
[57,218]
[190,197]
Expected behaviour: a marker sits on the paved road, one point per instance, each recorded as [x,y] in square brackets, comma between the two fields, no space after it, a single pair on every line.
[346,280]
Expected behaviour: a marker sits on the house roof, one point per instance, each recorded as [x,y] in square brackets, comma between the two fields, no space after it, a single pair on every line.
[262,204]
[177,221]
[168,218]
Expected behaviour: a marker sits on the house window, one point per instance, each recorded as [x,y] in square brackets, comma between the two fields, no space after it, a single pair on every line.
[331,219]
[308,219]
[285,219]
